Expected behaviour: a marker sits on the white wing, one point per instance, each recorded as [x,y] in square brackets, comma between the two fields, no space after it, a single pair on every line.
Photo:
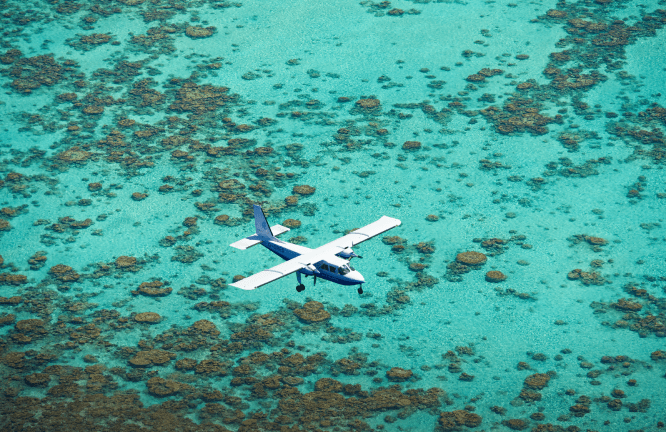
[266,276]
[360,235]
[333,248]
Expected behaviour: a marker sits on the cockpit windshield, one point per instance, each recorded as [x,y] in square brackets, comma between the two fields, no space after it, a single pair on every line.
[344,270]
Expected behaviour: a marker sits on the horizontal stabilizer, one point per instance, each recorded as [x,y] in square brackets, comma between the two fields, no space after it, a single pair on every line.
[279,229]
[255,239]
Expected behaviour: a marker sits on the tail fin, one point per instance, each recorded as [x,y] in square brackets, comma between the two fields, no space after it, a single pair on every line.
[260,223]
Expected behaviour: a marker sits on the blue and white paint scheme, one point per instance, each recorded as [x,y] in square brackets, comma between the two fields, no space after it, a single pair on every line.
[330,261]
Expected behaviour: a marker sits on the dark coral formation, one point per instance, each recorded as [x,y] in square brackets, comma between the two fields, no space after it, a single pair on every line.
[471,258]
[312,312]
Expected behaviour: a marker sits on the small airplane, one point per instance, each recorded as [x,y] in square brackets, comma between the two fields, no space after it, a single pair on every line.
[330,261]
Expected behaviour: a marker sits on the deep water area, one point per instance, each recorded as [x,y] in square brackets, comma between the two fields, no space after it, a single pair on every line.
[522,146]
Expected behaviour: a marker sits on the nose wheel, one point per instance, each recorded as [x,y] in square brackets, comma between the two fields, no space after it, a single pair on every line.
[360,290]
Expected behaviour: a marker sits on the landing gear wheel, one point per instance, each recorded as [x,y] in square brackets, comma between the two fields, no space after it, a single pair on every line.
[300,287]
[360,290]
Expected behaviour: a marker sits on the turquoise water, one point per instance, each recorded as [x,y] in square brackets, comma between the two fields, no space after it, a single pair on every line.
[532,133]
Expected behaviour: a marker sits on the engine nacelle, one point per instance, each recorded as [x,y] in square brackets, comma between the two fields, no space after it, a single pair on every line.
[312,268]
[348,253]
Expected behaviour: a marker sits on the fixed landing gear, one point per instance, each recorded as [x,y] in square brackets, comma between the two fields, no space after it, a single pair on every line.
[360,290]
[300,287]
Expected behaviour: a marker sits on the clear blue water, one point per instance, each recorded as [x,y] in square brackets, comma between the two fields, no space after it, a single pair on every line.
[540,124]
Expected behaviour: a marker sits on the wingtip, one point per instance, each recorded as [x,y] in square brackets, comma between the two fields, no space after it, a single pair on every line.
[399,222]
[245,288]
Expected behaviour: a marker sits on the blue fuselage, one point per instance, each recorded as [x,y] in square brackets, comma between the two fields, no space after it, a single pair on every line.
[287,254]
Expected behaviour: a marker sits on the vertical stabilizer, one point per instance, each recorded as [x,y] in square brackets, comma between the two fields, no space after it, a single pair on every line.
[260,223]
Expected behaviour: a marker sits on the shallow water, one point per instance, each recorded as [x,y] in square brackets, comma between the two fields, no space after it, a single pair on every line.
[532,133]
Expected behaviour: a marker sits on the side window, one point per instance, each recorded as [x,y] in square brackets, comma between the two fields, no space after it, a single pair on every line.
[333,269]
[324,267]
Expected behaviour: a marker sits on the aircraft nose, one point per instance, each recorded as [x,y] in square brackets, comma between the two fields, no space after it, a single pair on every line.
[359,277]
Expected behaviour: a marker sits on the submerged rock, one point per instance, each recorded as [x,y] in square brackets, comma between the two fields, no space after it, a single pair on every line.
[471,258]
[304,190]
[328,385]
[453,420]
[204,327]
[495,276]
[196,32]
[153,289]
[138,196]
[151,358]
[186,364]
[29,325]
[12,279]
[208,367]
[148,317]
[398,374]
[123,262]
[74,155]
[5,225]
[38,380]
[221,219]
[13,300]
[368,103]
[627,305]
[292,223]
[64,273]
[162,387]
[311,312]
[411,145]
[537,381]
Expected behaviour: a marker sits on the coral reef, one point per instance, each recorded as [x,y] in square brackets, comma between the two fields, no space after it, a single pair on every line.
[312,312]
